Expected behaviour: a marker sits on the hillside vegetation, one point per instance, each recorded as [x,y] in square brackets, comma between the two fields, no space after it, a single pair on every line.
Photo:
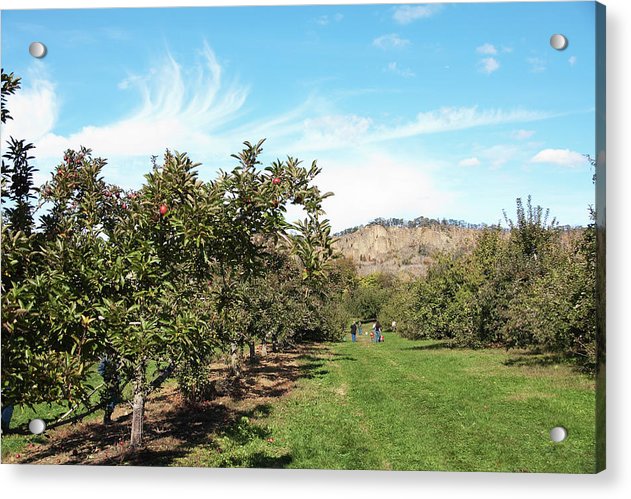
[408,251]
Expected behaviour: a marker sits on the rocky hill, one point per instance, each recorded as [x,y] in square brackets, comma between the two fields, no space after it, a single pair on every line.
[402,250]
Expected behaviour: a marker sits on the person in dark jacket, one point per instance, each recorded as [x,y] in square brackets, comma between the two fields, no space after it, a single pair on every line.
[112,393]
[378,329]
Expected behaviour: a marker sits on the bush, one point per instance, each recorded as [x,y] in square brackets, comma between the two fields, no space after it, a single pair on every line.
[531,287]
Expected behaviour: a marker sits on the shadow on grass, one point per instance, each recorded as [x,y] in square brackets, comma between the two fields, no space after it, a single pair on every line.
[173,429]
[260,460]
[527,359]
[320,373]
[338,356]
[431,346]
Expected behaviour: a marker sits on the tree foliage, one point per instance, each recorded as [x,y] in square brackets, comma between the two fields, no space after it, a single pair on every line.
[532,286]
[173,273]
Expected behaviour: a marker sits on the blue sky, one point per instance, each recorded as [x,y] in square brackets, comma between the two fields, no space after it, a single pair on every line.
[449,110]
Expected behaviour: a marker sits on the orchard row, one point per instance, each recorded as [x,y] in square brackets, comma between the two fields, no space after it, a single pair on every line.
[175,272]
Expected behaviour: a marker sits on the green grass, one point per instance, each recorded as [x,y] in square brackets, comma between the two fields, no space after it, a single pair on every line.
[413,405]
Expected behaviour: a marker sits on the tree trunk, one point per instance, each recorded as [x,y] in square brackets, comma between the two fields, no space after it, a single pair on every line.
[252,352]
[264,347]
[138,405]
[235,367]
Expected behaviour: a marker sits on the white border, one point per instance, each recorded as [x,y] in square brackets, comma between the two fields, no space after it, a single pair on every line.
[97,482]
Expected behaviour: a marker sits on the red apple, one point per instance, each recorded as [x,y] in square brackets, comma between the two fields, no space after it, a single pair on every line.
[276,180]
[163,209]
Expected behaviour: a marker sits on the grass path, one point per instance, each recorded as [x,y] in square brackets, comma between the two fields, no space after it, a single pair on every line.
[405,405]
[398,405]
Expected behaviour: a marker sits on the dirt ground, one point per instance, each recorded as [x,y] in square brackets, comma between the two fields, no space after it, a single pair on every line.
[171,426]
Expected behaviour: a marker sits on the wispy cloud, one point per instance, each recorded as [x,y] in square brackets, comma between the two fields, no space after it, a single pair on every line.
[572,60]
[522,134]
[332,132]
[391,41]
[406,14]
[537,64]
[500,154]
[199,110]
[437,121]
[489,65]
[327,19]
[393,67]
[561,157]
[183,109]
[469,162]
[460,118]
[486,49]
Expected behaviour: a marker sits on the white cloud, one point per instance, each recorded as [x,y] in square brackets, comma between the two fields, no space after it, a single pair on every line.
[193,109]
[499,155]
[375,184]
[522,134]
[332,132]
[197,113]
[456,118]
[469,162]
[390,41]
[572,60]
[561,157]
[181,109]
[34,107]
[537,64]
[486,49]
[489,65]
[406,14]
[393,67]
[326,19]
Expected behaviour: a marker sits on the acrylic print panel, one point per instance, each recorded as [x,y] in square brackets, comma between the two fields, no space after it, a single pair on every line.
[331,237]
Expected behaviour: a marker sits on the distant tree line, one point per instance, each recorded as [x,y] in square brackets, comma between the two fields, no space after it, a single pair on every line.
[422,221]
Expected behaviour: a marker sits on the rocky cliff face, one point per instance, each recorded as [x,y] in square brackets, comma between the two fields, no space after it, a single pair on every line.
[401,250]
